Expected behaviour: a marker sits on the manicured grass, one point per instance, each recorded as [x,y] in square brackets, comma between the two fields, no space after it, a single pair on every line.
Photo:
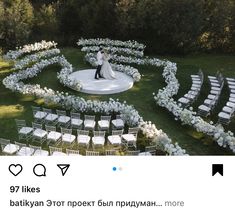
[13,105]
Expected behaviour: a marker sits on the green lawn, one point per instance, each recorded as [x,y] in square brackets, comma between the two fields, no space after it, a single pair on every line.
[14,105]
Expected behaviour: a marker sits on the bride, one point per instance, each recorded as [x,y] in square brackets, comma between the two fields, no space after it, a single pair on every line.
[106,69]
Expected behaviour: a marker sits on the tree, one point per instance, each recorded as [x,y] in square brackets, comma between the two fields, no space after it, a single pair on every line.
[16,22]
[216,34]
[45,23]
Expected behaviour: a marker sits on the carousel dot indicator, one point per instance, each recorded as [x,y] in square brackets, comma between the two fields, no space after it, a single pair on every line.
[114,168]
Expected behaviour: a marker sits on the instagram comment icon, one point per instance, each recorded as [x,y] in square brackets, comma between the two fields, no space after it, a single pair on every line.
[39,170]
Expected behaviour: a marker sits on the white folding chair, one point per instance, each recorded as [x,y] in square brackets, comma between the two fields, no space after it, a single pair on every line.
[53,136]
[39,135]
[129,140]
[24,150]
[63,119]
[76,122]
[92,153]
[225,118]
[56,151]
[83,138]
[24,132]
[98,139]
[204,110]
[232,100]
[230,104]
[7,147]
[3,143]
[209,102]
[232,95]
[118,123]
[228,110]
[230,79]
[11,149]
[67,137]
[38,114]
[89,122]
[116,138]
[38,151]
[185,102]
[51,118]
[104,123]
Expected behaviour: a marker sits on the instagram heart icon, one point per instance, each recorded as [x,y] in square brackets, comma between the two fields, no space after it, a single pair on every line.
[15,169]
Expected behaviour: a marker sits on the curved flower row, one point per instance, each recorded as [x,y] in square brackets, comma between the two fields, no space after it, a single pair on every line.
[114,43]
[43,45]
[20,64]
[188,116]
[13,81]
[127,51]
[161,139]
[129,60]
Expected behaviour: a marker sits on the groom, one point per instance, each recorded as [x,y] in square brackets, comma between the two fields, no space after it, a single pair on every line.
[100,63]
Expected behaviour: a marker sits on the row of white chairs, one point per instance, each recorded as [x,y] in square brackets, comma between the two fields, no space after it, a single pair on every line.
[216,84]
[60,118]
[193,93]
[228,110]
[65,136]
[21,149]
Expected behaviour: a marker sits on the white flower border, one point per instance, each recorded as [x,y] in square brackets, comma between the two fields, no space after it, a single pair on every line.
[20,64]
[42,59]
[127,51]
[43,45]
[114,43]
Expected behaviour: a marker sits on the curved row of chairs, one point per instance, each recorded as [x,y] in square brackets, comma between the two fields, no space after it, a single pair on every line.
[50,135]
[73,119]
[193,93]
[228,110]
[21,149]
[216,83]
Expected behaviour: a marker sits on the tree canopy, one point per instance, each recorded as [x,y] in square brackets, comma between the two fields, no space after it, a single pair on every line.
[181,26]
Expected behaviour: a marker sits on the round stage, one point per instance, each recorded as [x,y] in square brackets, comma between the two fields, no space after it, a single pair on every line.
[102,86]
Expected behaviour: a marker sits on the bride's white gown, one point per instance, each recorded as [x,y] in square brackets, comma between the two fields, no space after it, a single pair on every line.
[106,69]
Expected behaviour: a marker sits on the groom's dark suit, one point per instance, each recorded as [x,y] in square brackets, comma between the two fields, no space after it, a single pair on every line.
[100,62]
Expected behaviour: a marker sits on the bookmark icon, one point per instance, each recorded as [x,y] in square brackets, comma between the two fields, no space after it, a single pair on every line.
[217,168]
[64,168]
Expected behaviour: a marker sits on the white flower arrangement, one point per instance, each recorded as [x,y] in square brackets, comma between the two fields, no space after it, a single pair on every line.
[129,60]
[112,50]
[114,43]
[12,81]
[20,64]
[161,139]
[43,45]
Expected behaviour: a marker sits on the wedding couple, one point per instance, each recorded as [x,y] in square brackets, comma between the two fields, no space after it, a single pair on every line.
[104,69]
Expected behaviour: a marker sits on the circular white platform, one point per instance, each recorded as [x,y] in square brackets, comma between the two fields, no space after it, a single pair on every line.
[102,86]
